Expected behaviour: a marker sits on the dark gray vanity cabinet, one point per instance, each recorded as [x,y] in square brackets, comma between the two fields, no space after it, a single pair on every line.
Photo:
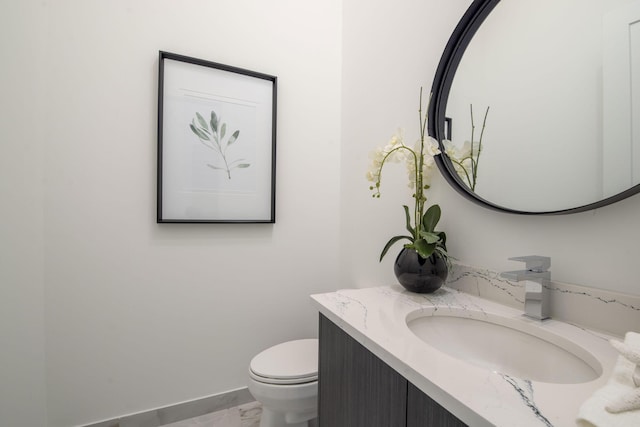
[423,411]
[357,389]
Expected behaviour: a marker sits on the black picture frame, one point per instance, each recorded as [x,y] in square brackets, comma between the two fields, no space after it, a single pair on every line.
[216,142]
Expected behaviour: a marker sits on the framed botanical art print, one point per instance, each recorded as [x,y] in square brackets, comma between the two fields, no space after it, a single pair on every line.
[216,142]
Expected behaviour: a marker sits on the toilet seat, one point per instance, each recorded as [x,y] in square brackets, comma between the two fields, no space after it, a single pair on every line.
[293,362]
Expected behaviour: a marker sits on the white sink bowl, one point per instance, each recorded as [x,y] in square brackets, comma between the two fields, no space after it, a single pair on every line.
[510,346]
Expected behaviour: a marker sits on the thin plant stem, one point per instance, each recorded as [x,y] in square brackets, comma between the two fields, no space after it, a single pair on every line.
[477,161]
[420,198]
[473,129]
[474,157]
[384,159]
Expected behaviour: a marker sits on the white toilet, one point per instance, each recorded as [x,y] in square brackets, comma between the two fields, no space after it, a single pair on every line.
[284,378]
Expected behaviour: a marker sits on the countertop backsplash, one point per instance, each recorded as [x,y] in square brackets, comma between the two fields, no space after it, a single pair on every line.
[606,311]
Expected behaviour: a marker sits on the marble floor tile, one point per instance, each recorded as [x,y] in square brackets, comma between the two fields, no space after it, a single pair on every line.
[250,414]
[247,415]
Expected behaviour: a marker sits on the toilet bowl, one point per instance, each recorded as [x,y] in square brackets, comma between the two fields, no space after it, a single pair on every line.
[284,378]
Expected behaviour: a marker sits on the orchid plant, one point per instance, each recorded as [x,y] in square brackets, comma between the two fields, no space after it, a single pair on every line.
[420,224]
[466,159]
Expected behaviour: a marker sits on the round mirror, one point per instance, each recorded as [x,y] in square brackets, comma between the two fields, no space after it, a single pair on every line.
[560,80]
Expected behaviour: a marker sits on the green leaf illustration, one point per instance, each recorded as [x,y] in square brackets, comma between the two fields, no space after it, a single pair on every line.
[233,138]
[214,121]
[202,121]
[199,133]
[212,136]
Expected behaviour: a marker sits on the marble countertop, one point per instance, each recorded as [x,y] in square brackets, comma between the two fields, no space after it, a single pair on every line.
[376,317]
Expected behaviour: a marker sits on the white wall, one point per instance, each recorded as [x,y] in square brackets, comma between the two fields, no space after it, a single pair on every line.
[140,315]
[22,362]
[389,51]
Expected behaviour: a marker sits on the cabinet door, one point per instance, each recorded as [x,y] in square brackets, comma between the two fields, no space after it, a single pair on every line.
[422,411]
[356,388]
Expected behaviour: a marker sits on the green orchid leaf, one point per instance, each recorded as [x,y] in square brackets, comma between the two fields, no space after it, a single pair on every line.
[423,248]
[391,242]
[242,165]
[214,121]
[443,253]
[215,167]
[445,256]
[408,220]
[233,137]
[431,218]
[202,121]
[223,130]
[443,239]
[430,237]
[199,132]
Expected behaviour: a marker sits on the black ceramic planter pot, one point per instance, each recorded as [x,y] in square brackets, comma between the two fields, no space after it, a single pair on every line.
[418,274]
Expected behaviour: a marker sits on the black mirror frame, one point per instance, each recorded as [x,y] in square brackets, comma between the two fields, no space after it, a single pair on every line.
[451,57]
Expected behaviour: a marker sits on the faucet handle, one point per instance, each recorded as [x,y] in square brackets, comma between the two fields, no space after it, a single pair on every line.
[534,263]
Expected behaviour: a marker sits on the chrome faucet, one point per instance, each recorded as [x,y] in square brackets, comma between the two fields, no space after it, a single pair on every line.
[537,277]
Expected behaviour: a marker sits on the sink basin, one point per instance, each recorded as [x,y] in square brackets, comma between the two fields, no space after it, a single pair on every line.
[510,346]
